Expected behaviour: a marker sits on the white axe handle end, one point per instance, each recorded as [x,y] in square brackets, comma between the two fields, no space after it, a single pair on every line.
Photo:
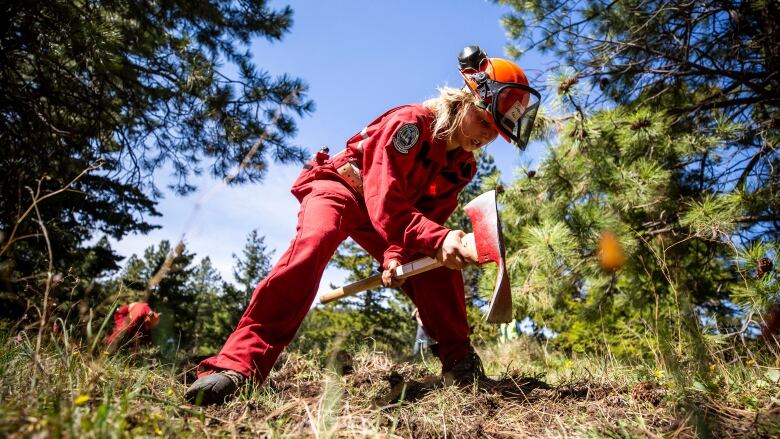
[416,267]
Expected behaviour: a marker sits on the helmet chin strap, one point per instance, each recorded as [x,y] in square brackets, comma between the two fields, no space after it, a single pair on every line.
[483,89]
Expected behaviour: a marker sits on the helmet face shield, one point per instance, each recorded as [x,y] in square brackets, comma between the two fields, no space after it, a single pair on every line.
[513,108]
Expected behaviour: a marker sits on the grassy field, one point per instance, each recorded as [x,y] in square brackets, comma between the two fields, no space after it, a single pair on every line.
[62,391]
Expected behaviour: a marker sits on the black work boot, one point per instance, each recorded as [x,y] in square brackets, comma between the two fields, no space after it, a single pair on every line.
[466,371]
[215,388]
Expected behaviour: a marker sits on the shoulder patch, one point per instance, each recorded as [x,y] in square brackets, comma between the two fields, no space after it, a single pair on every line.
[406,137]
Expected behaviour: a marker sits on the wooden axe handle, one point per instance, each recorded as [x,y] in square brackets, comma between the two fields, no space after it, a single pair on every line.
[409,269]
[352,289]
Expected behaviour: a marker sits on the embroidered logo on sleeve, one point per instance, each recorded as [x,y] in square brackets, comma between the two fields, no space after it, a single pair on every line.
[406,137]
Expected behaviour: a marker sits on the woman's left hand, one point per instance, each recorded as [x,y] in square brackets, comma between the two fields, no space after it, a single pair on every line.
[388,275]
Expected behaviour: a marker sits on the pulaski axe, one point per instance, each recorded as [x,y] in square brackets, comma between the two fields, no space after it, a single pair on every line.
[485,244]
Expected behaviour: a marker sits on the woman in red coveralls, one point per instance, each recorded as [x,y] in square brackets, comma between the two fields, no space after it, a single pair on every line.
[390,190]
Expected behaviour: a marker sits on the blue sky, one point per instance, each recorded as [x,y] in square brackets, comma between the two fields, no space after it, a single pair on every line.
[360,59]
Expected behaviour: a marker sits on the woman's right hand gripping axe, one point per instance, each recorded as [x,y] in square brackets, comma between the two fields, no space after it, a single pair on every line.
[486,244]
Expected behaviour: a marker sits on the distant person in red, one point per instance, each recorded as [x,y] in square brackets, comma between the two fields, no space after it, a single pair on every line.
[391,190]
[133,323]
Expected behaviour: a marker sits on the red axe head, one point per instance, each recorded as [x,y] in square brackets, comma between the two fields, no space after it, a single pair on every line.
[483,212]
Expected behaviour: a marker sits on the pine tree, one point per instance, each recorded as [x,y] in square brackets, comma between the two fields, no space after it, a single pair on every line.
[254,266]
[661,129]
[121,89]
[212,320]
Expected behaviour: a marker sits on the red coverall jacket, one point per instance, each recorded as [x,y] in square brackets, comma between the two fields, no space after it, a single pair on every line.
[410,185]
[409,190]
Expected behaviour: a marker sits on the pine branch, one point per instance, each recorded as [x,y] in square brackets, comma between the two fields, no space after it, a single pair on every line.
[37,198]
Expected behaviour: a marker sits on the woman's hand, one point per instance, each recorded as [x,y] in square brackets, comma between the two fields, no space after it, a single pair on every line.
[388,275]
[451,254]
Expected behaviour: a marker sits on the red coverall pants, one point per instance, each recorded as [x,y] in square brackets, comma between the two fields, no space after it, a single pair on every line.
[329,213]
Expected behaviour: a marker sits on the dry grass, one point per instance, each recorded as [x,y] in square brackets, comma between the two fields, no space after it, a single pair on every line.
[538,395]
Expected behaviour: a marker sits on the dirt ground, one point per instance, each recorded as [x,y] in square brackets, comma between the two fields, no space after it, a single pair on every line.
[378,397]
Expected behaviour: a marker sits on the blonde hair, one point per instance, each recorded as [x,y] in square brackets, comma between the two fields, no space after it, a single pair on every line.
[449,109]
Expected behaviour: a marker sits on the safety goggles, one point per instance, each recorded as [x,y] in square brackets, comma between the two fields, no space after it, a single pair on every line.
[512,106]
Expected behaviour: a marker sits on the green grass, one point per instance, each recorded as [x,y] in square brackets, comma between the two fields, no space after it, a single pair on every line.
[74,394]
